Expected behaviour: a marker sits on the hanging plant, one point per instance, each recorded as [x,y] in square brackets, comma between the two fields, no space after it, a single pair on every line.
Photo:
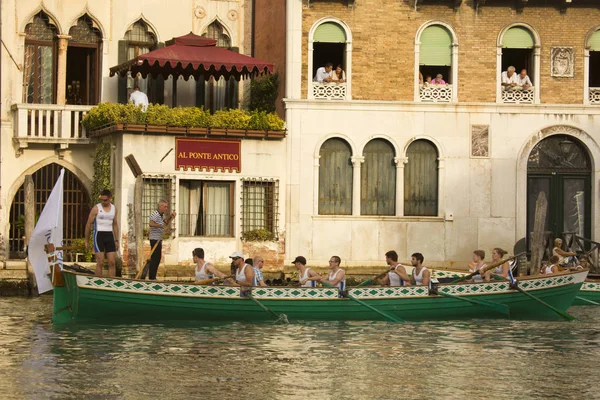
[101,171]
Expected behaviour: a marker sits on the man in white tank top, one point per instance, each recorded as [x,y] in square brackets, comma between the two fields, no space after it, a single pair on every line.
[337,276]
[421,275]
[105,217]
[306,276]
[397,275]
[244,273]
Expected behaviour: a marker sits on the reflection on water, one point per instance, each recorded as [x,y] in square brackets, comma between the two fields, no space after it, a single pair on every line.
[337,360]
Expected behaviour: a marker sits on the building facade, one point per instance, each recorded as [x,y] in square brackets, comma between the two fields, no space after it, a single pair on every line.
[387,161]
[55,67]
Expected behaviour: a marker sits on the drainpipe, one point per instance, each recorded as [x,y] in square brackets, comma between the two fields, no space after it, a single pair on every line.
[253,35]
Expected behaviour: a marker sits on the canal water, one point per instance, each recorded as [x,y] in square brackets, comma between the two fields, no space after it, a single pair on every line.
[470,359]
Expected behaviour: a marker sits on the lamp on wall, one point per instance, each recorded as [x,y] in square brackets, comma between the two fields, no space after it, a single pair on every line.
[566,146]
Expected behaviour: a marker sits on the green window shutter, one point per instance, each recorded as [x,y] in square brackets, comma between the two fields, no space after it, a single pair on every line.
[595,41]
[378,179]
[330,32]
[421,179]
[436,46]
[518,38]
[122,81]
[335,178]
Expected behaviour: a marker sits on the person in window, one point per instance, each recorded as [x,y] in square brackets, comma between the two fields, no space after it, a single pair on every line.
[509,78]
[338,75]
[428,81]
[324,74]
[439,80]
[523,80]
[139,98]
[420,79]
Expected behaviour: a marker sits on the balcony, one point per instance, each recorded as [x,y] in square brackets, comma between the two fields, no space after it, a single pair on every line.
[49,124]
[435,93]
[594,95]
[329,91]
[518,96]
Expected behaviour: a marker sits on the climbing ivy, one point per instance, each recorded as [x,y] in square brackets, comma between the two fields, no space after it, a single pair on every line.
[101,171]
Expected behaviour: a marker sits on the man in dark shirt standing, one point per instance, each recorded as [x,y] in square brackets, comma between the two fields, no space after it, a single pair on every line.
[158,223]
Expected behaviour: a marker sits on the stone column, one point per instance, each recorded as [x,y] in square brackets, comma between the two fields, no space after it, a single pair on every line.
[441,186]
[356,162]
[61,74]
[400,163]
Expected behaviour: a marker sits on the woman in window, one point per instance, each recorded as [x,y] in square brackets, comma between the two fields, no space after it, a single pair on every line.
[338,76]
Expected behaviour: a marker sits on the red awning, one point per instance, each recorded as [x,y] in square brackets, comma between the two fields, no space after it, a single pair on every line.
[193,55]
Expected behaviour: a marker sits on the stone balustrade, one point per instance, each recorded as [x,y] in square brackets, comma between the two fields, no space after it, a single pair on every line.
[518,96]
[436,93]
[329,91]
[594,95]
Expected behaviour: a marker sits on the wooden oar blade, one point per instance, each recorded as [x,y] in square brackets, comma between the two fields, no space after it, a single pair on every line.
[587,301]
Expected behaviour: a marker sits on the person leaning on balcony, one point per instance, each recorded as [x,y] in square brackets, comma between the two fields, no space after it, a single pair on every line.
[439,80]
[509,78]
[139,98]
[428,81]
[523,80]
[324,73]
[338,75]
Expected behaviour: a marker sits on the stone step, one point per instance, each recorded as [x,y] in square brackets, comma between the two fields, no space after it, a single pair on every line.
[14,264]
[13,274]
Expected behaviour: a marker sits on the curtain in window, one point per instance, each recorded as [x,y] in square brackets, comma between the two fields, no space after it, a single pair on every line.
[39,73]
[421,180]
[190,217]
[217,210]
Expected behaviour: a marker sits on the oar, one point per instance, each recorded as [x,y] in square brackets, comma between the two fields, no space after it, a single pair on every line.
[563,314]
[385,315]
[209,281]
[499,308]
[281,317]
[587,301]
[487,268]
[374,279]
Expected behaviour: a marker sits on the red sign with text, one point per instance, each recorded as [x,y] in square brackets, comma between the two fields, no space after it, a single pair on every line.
[206,154]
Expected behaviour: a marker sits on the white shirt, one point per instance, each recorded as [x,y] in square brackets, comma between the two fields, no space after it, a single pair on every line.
[512,79]
[322,74]
[139,98]
[524,81]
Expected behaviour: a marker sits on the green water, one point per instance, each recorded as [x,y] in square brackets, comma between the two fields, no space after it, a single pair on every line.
[340,360]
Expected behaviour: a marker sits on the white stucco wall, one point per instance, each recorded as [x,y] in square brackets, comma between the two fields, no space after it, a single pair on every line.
[486,196]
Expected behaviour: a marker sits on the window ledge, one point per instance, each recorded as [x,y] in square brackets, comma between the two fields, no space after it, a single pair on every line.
[376,218]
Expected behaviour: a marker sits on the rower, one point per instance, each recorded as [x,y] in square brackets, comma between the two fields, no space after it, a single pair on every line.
[552,267]
[478,257]
[244,274]
[337,276]
[501,271]
[204,270]
[421,275]
[306,276]
[397,275]
[257,264]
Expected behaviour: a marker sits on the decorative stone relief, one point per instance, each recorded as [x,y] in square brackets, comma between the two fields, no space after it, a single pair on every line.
[199,12]
[232,15]
[562,60]
[480,141]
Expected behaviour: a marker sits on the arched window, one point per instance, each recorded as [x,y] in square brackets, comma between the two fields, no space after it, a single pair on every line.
[421,179]
[40,60]
[435,61]
[335,178]
[83,62]
[139,39]
[329,44]
[594,67]
[217,94]
[378,179]
[519,52]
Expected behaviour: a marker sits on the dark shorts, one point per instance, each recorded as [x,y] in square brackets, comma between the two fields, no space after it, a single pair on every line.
[104,242]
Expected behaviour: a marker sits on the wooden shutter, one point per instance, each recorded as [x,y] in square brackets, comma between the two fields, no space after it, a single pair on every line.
[335,178]
[595,41]
[436,46]
[421,180]
[518,38]
[378,179]
[329,32]
[122,80]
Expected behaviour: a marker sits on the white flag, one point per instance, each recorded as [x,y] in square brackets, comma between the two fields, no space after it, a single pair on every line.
[49,229]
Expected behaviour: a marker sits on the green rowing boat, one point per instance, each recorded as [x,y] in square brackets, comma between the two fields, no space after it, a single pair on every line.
[103,299]
[589,294]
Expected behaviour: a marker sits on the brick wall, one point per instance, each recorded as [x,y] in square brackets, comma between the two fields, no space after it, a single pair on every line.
[384,35]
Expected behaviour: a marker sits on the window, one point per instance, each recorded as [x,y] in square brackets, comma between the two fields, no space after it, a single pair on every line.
[518,51]
[421,179]
[594,68]
[156,189]
[329,42]
[40,62]
[335,178]
[83,62]
[435,60]
[139,39]
[378,179]
[222,93]
[205,208]
[260,206]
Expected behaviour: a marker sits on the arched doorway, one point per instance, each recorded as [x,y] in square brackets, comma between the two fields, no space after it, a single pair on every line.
[75,212]
[560,166]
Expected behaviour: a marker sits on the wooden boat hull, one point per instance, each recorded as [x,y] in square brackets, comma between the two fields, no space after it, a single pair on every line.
[590,290]
[85,297]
